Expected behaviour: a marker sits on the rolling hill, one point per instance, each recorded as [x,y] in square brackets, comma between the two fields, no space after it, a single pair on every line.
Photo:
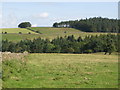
[51,30]
[43,32]
[16,30]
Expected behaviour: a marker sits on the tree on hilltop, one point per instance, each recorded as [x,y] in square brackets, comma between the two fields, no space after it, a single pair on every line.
[24,25]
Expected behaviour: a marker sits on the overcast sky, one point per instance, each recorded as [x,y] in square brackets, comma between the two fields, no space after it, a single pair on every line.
[45,14]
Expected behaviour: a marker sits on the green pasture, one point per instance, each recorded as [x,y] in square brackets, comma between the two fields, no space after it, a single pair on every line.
[18,37]
[51,30]
[62,71]
[45,32]
[16,30]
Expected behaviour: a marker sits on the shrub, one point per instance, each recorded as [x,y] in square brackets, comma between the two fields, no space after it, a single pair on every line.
[5,33]
[37,31]
[20,32]
[29,32]
[65,32]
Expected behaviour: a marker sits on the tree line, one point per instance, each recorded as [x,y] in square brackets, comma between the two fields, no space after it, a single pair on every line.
[96,24]
[68,44]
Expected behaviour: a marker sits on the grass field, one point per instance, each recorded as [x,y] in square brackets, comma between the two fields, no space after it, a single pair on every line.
[51,30]
[63,71]
[54,32]
[16,30]
[18,37]
[46,32]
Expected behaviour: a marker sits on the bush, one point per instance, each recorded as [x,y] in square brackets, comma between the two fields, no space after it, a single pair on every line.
[5,33]
[65,32]
[38,32]
[29,32]
[20,32]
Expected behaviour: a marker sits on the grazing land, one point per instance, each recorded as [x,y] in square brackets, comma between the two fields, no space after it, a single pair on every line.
[45,32]
[70,50]
[57,70]
[19,37]
[16,30]
[51,30]
[61,71]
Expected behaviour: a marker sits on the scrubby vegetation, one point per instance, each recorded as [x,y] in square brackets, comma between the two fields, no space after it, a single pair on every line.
[68,44]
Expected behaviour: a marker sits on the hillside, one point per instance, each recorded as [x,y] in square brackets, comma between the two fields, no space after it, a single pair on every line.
[16,31]
[45,32]
[51,30]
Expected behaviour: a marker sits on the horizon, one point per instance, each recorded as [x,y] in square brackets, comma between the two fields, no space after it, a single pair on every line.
[44,14]
[57,22]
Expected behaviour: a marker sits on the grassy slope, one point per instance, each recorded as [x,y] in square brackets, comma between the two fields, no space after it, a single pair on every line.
[17,37]
[47,32]
[16,30]
[50,32]
[67,71]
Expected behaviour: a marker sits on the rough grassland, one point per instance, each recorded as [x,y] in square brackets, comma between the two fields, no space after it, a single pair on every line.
[47,32]
[16,30]
[66,71]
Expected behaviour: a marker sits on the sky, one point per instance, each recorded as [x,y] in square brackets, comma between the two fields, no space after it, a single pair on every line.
[44,14]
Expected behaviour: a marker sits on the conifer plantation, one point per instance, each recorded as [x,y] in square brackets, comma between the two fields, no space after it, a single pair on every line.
[96,24]
[68,44]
